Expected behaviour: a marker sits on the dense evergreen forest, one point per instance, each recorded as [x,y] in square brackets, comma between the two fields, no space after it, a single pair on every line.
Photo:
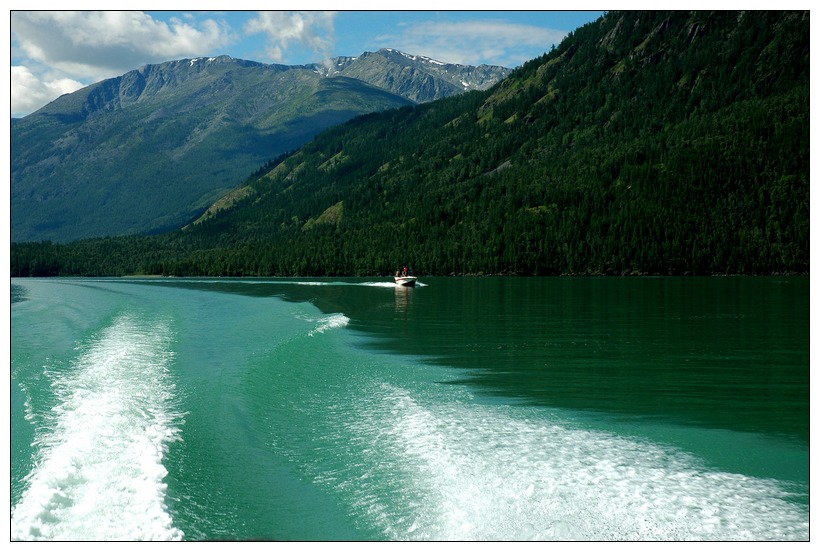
[645,143]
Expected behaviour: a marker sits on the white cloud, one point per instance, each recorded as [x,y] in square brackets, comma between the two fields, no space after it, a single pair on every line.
[29,92]
[57,50]
[473,42]
[87,43]
[313,30]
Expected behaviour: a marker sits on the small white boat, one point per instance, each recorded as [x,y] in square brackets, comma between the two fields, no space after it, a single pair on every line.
[405,281]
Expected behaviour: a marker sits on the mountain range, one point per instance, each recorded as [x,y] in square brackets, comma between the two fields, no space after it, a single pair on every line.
[151,149]
[418,78]
[671,143]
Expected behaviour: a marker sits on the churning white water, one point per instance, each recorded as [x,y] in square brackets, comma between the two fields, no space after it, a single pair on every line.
[467,471]
[98,471]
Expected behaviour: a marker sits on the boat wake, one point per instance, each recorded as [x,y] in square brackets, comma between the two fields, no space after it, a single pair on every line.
[326,323]
[270,281]
[380,284]
[98,471]
[462,471]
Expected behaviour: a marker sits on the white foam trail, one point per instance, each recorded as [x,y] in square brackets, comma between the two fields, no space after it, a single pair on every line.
[329,322]
[253,282]
[386,283]
[390,285]
[98,471]
[461,471]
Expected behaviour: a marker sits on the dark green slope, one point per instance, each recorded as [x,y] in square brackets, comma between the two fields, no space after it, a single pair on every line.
[659,143]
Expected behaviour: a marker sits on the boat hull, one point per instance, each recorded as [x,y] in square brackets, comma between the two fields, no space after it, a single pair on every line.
[405,281]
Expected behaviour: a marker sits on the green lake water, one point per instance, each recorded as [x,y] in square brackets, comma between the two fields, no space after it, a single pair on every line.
[462,409]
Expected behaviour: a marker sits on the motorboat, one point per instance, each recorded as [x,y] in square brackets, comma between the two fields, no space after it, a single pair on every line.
[405,281]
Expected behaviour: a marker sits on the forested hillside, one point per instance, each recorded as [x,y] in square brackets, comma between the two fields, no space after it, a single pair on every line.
[646,143]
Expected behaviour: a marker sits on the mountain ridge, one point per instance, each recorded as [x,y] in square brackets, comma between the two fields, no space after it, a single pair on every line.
[423,79]
[152,148]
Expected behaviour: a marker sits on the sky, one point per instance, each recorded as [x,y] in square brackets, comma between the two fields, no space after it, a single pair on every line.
[57,52]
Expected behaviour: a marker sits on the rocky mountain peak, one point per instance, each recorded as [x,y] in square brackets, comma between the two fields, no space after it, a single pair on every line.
[416,77]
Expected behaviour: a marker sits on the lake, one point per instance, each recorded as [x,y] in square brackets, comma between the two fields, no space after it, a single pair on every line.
[463,409]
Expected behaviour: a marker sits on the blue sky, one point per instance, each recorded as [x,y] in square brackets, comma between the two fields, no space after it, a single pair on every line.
[56,52]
